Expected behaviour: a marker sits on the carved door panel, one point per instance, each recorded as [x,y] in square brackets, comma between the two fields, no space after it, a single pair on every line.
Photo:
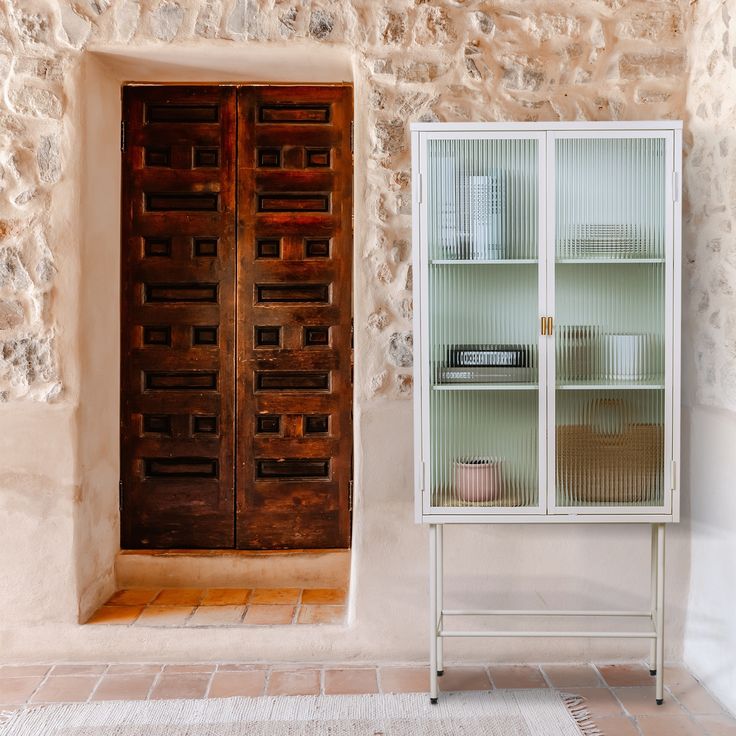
[294,439]
[178,309]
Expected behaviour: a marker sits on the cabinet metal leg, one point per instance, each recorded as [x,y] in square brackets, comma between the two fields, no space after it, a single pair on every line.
[653,604]
[433,687]
[660,614]
[440,596]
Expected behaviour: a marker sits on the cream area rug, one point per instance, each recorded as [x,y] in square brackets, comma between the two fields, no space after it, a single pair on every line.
[496,713]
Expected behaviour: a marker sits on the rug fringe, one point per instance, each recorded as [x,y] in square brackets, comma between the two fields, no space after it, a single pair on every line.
[5,716]
[578,709]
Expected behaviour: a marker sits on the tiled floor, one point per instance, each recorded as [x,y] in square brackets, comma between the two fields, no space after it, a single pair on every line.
[222,607]
[619,696]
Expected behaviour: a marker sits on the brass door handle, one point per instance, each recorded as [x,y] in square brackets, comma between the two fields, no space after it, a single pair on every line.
[547,324]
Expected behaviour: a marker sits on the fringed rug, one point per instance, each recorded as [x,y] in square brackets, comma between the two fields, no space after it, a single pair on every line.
[496,713]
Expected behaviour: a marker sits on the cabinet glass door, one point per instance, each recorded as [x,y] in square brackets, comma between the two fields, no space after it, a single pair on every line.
[611,224]
[485,287]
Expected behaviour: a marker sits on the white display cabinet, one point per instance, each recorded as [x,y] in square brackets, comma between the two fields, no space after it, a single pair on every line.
[547,332]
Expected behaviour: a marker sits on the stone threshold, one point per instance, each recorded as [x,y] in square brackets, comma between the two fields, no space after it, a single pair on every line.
[233,569]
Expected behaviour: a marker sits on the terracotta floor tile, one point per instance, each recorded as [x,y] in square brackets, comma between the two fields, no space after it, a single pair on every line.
[625,675]
[240,667]
[24,670]
[179,597]
[600,701]
[695,698]
[16,690]
[164,616]
[275,595]
[171,686]
[404,679]
[717,725]
[268,615]
[120,615]
[217,616]
[65,689]
[464,678]
[225,597]
[324,596]
[617,726]
[516,675]
[351,681]
[134,669]
[123,687]
[229,684]
[665,725]
[572,675]
[294,682]
[183,669]
[78,669]
[675,676]
[321,615]
[640,701]
[133,597]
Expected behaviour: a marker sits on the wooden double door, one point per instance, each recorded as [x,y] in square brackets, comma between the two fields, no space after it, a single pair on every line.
[236,320]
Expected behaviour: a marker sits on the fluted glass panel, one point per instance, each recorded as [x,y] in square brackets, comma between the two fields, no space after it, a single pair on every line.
[610,324]
[482,199]
[610,321]
[610,198]
[610,448]
[483,225]
[484,448]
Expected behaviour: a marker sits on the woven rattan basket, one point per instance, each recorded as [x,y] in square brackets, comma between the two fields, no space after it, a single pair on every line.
[609,468]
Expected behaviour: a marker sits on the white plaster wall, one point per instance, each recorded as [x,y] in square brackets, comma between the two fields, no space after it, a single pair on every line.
[710,322]
[445,60]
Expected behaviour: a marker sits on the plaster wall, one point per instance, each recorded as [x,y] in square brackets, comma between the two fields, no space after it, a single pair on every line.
[710,325]
[59,265]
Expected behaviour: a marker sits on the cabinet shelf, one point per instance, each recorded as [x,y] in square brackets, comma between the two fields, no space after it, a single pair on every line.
[612,261]
[485,386]
[596,386]
[482,262]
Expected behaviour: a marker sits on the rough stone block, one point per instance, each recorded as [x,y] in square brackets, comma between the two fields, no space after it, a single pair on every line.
[321,24]
[401,349]
[208,19]
[657,64]
[36,102]
[49,160]
[127,17]
[76,29]
[166,20]
[419,71]
[391,27]
[11,314]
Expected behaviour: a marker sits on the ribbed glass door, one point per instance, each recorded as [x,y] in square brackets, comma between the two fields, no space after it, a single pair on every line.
[483,220]
[612,287]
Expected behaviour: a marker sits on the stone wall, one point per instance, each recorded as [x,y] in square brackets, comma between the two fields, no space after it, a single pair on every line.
[710,222]
[451,60]
[412,60]
[709,418]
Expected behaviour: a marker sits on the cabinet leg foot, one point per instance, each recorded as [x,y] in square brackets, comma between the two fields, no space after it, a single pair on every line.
[652,672]
[433,701]
[440,673]
[660,701]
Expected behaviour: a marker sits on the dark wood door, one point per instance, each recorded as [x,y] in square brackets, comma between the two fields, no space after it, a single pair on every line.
[294,438]
[287,363]
[178,310]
